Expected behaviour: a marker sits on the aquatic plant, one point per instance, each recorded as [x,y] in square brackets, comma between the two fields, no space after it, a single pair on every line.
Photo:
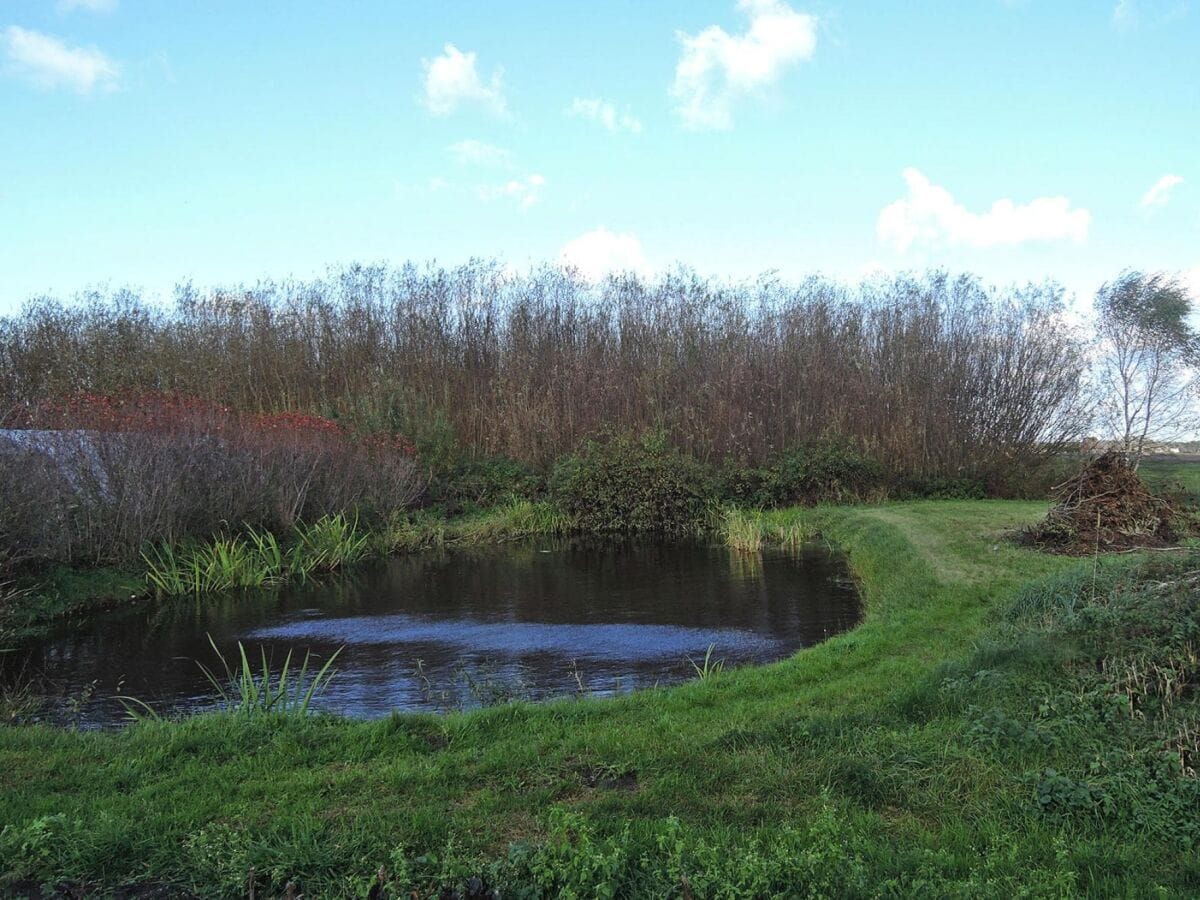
[742,530]
[517,518]
[749,530]
[708,667]
[327,544]
[248,691]
[219,565]
[255,561]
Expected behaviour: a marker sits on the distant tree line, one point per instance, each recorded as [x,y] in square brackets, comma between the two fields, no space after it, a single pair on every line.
[933,375]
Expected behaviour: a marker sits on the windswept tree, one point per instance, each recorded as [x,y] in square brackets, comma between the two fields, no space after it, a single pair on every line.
[1149,355]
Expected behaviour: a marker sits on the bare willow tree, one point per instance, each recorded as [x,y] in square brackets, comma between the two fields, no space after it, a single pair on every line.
[1149,361]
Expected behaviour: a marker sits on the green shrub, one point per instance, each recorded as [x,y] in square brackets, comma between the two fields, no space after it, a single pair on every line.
[829,470]
[490,481]
[743,485]
[940,487]
[632,484]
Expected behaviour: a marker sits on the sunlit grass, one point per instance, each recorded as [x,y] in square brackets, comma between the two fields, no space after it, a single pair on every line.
[959,742]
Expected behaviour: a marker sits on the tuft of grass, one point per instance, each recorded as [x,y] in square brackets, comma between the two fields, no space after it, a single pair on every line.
[708,667]
[246,691]
[742,530]
[749,530]
[329,543]
[257,560]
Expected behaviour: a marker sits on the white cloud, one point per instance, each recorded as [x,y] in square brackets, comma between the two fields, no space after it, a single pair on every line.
[96,6]
[931,215]
[1160,193]
[478,153]
[1123,13]
[715,67]
[597,109]
[526,191]
[599,252]
[49,63]
[451,80]
[1130,14]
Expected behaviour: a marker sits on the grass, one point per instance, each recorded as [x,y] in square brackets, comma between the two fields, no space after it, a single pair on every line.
[965,740]
[749,530]
[256,560]
[1161,474]
[246,691]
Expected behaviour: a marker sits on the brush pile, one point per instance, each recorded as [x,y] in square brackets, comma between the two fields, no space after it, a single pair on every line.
[1106,506]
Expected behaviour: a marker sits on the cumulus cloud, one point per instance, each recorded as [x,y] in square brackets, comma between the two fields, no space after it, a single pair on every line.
[716,68]
[600,111]
[96,6]
[1160,193]
[600,252]
[931,215]
[452,80]
[48,63]
[478,153]
[526,191]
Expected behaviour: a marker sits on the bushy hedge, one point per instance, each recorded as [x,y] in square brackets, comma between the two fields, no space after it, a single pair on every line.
[485,482]
[628,483]
[828,470]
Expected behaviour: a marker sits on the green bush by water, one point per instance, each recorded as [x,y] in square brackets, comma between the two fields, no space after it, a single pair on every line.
[633,484]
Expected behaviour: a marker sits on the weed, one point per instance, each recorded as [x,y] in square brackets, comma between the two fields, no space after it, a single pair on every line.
[247,692]
[709,667]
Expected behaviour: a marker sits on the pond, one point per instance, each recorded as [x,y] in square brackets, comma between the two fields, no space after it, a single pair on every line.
[448,630]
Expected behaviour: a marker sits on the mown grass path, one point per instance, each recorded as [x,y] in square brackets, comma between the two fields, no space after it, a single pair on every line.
[841,733]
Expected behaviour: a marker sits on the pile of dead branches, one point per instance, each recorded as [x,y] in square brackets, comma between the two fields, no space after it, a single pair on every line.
[1104,507]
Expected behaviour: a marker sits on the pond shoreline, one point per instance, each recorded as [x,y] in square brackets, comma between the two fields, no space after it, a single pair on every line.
[875,758]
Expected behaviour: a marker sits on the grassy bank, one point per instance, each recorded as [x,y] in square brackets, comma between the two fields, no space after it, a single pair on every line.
[888,760]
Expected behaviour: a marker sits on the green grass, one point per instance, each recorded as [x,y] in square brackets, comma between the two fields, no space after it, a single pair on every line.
[62,594]
[960,742]
[1165,474]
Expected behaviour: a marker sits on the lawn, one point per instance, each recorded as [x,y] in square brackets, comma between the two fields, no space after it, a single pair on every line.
[952,745]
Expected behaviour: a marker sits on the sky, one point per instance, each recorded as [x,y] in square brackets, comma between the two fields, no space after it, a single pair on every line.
[144,142]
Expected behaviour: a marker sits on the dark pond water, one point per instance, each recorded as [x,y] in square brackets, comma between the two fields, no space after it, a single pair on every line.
[443,631]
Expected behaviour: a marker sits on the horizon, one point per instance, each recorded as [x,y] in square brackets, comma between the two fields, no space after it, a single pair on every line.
[1020,144]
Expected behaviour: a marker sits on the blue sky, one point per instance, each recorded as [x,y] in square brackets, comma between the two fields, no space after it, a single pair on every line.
[143,142]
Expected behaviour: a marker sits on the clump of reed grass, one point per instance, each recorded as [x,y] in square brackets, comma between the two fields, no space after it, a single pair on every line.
[709,666]
[329,543]
[247,690]
[222,564]
[256,560]
[743,530]
[748,531]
